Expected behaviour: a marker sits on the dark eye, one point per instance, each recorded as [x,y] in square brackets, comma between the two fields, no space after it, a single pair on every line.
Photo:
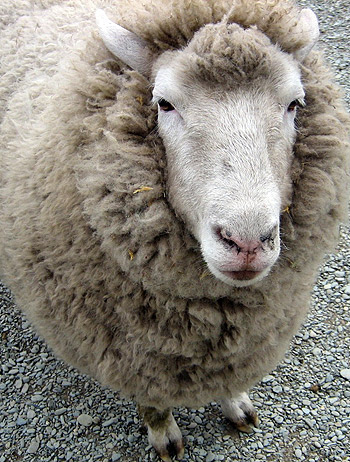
[294,104]
[165,105]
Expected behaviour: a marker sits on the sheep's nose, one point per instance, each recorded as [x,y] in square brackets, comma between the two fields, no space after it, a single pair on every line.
[249,245]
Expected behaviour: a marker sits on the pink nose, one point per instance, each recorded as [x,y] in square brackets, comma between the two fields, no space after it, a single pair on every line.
[248,247]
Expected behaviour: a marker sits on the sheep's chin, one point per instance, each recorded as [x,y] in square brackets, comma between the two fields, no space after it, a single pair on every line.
[239,282]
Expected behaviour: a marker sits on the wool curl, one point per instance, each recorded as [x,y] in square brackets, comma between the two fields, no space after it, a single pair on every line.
[92,249]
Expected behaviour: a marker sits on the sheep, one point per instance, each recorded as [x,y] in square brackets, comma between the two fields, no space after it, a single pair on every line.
[162,220]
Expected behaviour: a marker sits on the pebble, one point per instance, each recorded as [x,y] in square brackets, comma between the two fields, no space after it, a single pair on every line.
[345,373]
[60,411]
[33,447]
[25,388]
[85,420]
[30,414]
[210,457]
[20,421]
[109,422]
[277,389]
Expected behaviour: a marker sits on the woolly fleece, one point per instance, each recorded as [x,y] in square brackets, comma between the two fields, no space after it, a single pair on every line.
[109,276]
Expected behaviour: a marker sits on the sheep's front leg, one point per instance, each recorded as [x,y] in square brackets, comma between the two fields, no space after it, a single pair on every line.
[241,412]
[163,432]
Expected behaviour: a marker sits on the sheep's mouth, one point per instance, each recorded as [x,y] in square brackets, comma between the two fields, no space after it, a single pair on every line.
[242,275]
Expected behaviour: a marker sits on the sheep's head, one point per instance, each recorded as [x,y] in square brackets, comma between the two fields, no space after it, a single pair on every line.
[226,113]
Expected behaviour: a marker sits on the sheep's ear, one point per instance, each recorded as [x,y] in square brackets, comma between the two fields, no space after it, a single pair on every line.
[307,27]
[125,45]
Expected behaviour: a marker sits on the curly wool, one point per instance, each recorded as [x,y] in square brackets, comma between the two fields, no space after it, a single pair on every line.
[102,266]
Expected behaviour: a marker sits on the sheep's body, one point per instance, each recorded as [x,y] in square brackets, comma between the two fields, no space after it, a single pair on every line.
[102,266]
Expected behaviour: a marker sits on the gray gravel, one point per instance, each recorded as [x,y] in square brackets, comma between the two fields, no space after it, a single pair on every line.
[49,412]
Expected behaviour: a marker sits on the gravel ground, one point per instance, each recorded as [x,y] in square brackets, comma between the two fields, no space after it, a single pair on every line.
[49,412]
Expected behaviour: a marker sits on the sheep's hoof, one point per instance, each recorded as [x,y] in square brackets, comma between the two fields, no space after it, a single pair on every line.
[171,447]
[163,433]
[167,441]
[241,412]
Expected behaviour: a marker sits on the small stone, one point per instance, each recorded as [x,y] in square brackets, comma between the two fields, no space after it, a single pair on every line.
[298,453]
[116,456]
[33,447]
[316,387]
[60,411]
[37,398]
[310,422]
[316,351]
[18,383]
[210,457]
[277,389]
[20,421]
[267,378]
[30,414]
[109,422]
[347,290]
[345,373]
[85,420]
[25,388]
[13,371]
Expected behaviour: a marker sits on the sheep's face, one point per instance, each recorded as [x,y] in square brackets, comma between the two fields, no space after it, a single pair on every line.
[226,111]
[229,135]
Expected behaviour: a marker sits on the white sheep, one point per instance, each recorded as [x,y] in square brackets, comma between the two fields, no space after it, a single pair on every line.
[171,255]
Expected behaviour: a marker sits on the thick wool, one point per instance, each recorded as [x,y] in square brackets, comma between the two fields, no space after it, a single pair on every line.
[103,267]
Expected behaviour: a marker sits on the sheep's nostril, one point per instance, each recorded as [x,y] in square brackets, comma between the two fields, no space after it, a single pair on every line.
[266,237]
[226,237]
[270,236]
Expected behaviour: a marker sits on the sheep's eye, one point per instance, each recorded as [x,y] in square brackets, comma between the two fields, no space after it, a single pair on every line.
[294,104]
[165,105]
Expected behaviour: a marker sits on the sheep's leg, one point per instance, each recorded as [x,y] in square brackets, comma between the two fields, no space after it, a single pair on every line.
[240,411]
[163,432]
